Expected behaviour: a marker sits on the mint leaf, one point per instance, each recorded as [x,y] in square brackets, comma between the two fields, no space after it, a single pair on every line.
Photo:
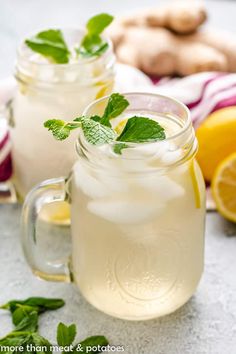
[94,341]
[28,323]
[116,105]
[40,341]
[119,147]
[141,130]
[61,129]
[13,339]
[50,44]
[65,334]
[92,44]
[96,133]
[41,304]
[96,118]
[98,23]
[24,339]
[78,119]
[21,312]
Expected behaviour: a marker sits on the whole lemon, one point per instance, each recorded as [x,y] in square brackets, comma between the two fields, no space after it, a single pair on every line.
[217,139]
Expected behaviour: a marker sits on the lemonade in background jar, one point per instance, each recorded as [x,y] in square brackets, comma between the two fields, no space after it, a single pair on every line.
[53,89]
[137,201]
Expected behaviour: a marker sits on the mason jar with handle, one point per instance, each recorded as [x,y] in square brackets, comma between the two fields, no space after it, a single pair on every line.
[47,90]
[137,218]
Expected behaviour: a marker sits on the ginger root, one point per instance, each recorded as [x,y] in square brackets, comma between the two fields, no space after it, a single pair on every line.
[160,42]
[180,16]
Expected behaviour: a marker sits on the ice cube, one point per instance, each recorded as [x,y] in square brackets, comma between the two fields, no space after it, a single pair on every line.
[171,157]
[89,185]
[163,187]
[96,184]
[125,210]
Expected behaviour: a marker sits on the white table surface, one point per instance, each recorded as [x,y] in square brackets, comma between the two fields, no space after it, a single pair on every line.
[207,323]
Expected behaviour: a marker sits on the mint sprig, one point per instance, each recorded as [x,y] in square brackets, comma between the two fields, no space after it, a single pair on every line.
[25,333]
[50,44]
[98,130]
[93,44]
[25,313]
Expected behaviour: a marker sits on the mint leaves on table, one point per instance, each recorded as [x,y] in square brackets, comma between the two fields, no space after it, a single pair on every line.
[98,130]
[26,341]
[40,304]
[27,323]
[25,313]
[94,341]
[93,44]
[65,334]
[50,44]
[26,337]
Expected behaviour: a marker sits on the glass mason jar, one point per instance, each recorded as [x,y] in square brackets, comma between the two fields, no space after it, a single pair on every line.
[47,90]
[137,219]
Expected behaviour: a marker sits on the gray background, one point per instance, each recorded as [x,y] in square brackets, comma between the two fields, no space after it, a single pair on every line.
[20,17]
[207,324]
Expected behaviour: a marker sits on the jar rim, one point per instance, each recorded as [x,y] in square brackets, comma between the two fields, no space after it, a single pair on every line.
[186,126]
[182,144]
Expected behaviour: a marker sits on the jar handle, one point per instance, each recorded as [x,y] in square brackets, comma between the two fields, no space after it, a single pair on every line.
[49,191]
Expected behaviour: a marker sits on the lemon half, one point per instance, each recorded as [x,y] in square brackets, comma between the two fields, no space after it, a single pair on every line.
[224,187]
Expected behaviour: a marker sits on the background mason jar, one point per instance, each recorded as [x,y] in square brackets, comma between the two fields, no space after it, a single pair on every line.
[45,91]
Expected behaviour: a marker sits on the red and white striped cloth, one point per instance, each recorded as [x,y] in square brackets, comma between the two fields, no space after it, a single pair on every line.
[5,152]
[7,88]
[203,93]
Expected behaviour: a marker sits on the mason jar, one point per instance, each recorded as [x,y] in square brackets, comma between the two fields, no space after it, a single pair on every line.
[137,218]
[46,90]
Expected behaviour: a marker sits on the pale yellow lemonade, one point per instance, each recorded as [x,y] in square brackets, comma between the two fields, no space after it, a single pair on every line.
[138,225]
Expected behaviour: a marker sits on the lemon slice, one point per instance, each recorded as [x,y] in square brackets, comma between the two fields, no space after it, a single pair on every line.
[195,184]
[224,187]
[120,126]
[104,88]
[56,213]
